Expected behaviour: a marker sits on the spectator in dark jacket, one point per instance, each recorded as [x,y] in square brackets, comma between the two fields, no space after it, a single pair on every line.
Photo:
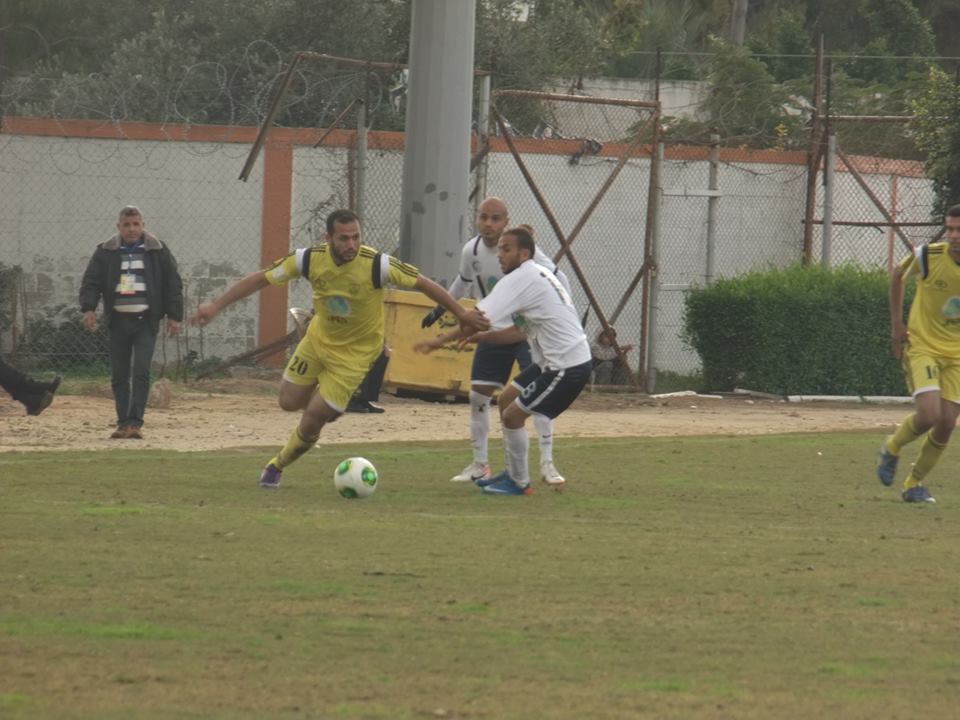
[137,277]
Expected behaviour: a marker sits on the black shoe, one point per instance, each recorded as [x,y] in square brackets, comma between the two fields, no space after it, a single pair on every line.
[363,406]
[36,404]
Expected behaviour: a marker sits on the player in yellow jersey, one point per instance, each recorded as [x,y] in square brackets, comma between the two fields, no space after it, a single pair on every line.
[344,337]
[929,346]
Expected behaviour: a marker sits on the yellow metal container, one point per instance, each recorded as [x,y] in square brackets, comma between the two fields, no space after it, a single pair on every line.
[445,371]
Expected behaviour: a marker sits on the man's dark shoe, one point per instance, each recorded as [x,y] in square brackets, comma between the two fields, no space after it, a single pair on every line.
[364,406]
[39,402]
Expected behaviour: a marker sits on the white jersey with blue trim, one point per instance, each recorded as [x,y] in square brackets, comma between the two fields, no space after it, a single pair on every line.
[480,270]
[532,299]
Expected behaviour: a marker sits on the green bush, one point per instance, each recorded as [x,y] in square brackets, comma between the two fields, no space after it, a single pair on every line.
[798,331]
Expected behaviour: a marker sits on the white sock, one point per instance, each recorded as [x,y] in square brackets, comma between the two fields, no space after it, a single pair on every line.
[516,447]
[479,426]
[544,427]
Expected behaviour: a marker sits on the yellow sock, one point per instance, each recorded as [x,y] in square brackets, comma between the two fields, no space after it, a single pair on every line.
[930,453]
[903,435]
[910,482]
[296,446]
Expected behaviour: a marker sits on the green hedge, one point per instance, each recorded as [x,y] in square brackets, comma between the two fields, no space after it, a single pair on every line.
[798,331]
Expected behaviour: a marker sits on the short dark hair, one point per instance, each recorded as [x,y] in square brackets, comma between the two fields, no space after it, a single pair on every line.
[524,236]
[953,211]
[340,216]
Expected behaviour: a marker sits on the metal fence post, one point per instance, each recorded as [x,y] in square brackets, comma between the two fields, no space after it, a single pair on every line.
[361,173]
[483,131]
[656,161]
[826,242]
[712,185]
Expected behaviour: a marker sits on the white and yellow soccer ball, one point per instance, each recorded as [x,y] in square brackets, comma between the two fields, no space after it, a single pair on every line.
[356,477]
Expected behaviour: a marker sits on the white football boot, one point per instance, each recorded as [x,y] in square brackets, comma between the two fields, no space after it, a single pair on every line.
[551,476]
[473,472]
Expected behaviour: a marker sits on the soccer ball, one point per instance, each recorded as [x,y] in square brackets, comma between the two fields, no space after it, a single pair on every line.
[355,477]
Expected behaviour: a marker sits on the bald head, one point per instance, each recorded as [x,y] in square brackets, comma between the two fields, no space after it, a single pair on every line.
[492,218]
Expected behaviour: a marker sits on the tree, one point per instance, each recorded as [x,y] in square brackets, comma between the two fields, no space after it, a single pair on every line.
[781,39]
[745,103]
[738,22]
[936,124]
[887,33]
[679,28]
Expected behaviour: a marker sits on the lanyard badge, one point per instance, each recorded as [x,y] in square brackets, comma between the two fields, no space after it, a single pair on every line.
[128,285]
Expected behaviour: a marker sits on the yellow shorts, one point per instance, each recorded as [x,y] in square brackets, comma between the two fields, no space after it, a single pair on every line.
[925,373]
[336,377]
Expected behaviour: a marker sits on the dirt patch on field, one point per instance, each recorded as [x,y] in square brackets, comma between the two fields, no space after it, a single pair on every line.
[239,413]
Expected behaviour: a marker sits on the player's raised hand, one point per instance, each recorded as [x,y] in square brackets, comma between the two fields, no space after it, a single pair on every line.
[431,317]
[204,314]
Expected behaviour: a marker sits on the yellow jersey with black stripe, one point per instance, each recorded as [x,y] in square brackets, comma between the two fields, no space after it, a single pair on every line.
[347,299]
[934,322]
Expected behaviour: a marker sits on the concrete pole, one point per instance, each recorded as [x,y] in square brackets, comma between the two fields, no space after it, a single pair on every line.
[436,164]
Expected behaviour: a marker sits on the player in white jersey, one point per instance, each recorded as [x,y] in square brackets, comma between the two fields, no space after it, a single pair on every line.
[480,272]
[528,302]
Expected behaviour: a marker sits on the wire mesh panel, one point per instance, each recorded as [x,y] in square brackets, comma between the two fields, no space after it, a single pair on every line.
[755,224]
[579,172]
[876,206]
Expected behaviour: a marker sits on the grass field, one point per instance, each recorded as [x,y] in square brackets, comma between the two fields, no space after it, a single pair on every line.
[715,577]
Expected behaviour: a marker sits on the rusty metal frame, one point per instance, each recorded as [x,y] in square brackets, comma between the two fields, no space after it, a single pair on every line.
[821,127]
[281,91]
[876,201]
[639,380]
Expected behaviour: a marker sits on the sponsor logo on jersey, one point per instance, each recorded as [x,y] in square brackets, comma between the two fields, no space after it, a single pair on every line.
[338,306]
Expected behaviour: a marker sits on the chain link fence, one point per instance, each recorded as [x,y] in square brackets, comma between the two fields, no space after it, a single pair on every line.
[721,209]
[870,208]
[60,196]
[723,212]
[579,173]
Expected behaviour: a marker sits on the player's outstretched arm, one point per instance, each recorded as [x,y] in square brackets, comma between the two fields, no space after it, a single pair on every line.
[428,346]
[471,319]
[504,336]
[244,287]
[898,330]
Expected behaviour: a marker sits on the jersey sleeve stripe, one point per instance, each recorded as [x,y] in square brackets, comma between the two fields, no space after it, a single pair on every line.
[303,262]
[401,266]
[377,269]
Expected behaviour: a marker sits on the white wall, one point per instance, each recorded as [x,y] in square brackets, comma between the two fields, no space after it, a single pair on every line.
[59,198]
